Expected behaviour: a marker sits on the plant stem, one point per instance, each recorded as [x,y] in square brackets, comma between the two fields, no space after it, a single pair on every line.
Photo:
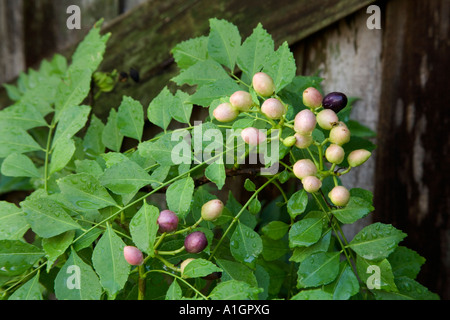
[141,282]
[47,154]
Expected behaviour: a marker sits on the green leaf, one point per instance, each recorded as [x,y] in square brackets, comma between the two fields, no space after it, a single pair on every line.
[297,203]
[275,229]
[93,140]
[86,239]
[111,136]
[28,291]
[144,227]
[356,209]
[73,119]
[305,232]
[85,192]
[234,290]
[318,269]
[359,130]
[174,292]
[21,115]
[301,253]
[179,196]
[16,140]
[130,118]
[346,284]
[19,165]
[90,167]
[165,151]
[159,109]
[47,217]
[125,177]
[179,109]
[405,262]
[207,93]
[313,294]
[254,51]
[376,241]
[189,52]
[13,224]
[61,155]
[77,281]
[281,67]
[273,249]
[224,42]
[249,185]
[159,175]
[376,273]
[56,246]
[200,268]
[254,206]
[109,262]
[17,256]
[201,73]
[232,270]
[215,172]
[245,244]
[408,289]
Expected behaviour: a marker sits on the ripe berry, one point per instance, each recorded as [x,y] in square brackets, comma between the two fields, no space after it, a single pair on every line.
[311,184]
[335,154]
[195,242]
[339,134]
[273,108]
[263,84]
[335,101]
[133,255]
[185,263]
[241,100]
[304,168]
[305,122]
[212,210]
[312,98]
[339,195]
[167,221]
[225,112]
[358,157]
[303,141]
[290,141]
[327,118]
[253,136]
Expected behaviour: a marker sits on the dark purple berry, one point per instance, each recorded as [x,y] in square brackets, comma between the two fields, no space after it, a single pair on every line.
[134,74]
[195,242]
[167,221]
[335,101]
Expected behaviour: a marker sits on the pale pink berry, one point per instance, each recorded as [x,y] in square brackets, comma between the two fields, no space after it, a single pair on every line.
[263,84]
[339,134]
[225,112]
[311,184]
[305,122]
[167,221]
[358,157]
[212,210]
[253,136]
[327,118]
[335,154]
[304,168]
[312,98]
[273,108]
[241,100]
[303,141]
[339,195]
[133,255]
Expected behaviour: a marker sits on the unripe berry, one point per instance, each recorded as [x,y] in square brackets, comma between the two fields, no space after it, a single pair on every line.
[339,135]
[263,84]
[195,242]
[358,157]
[133,255]
[312,98]
[303,141]
[335,101]
[304,168]
[335,154]
[212,210]
[273,108]
[327,118]
[241,100]
[305,122]
[167,221]
[225,112]
[185,263]
[290,141]
[311,184]
[339,195]
[253,136]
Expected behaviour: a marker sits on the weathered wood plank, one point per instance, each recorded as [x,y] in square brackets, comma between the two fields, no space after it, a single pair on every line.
[412,186]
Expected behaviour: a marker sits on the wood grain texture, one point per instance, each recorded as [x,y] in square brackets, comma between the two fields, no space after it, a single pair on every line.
[412,189]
